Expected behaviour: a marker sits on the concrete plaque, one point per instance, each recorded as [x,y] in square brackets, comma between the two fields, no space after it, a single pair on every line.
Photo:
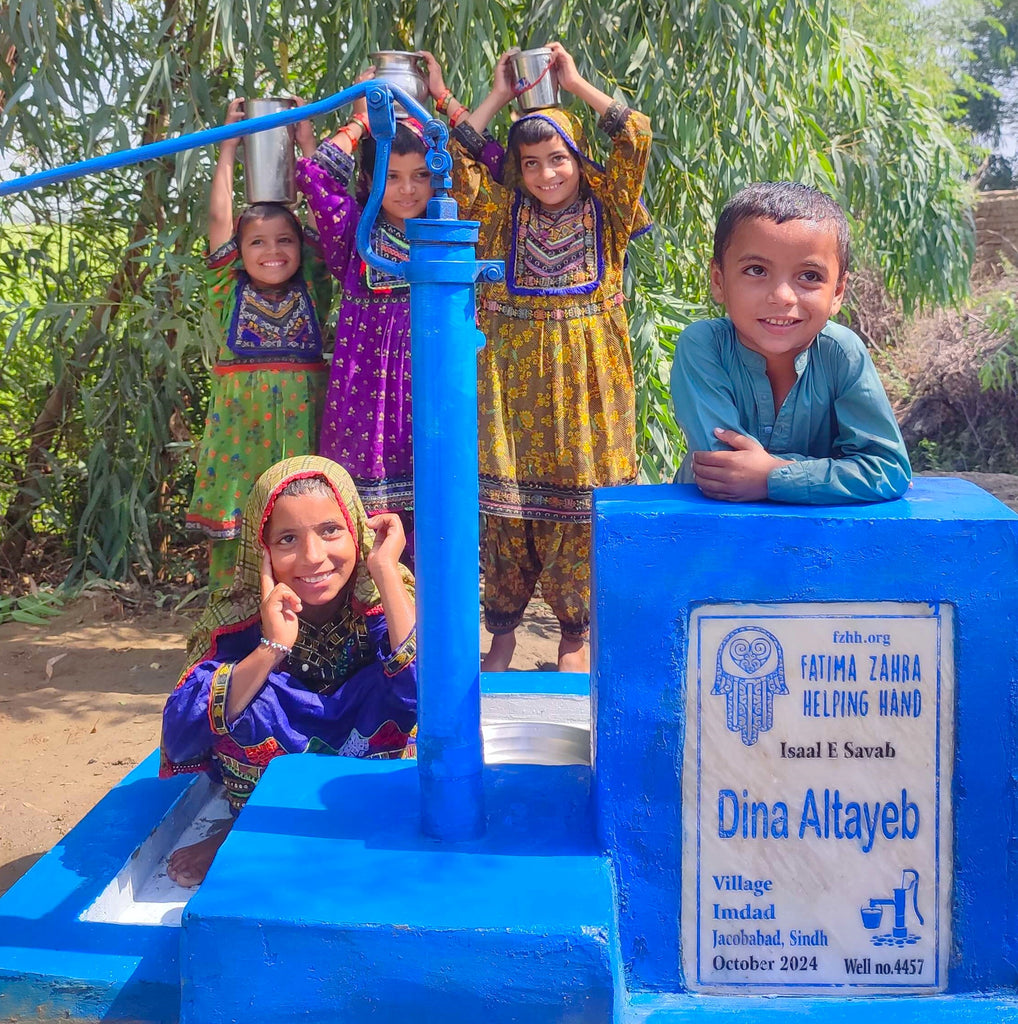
[816,798]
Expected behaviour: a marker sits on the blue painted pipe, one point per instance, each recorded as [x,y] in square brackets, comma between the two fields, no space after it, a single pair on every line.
[441,272]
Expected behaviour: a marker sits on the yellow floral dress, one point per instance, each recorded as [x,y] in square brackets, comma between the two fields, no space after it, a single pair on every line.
[555,379]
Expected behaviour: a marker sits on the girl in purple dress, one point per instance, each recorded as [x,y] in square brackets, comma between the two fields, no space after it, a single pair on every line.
[367,420]
[313,651]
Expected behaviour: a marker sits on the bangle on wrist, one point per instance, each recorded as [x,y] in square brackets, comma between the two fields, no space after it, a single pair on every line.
[274,646]
[443,101]
[362,120]
[462,112]
[349,136]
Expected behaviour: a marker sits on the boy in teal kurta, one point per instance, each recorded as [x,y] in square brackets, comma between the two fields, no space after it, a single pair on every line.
[775,401]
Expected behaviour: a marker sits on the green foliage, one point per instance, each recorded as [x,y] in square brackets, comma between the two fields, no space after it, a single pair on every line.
[989,69]
[999,371]
[31,609]
[737,90]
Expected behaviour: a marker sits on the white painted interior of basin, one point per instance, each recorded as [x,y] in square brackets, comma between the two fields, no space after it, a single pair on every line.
[142,892]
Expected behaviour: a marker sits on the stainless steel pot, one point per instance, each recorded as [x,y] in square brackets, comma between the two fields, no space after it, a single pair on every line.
[268,155]
[535,79]
[403,69]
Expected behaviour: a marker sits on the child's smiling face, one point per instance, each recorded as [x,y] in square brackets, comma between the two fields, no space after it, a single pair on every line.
[270,251]
[312,551]
[779,283]
[551,174]
[407,189]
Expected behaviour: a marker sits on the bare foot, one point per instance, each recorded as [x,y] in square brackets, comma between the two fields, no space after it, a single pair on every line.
[573,655]
[189,865]
[500,655]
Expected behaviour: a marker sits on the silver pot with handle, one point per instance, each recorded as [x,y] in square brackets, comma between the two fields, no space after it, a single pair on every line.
[535,80]
[402,69]
[268,155]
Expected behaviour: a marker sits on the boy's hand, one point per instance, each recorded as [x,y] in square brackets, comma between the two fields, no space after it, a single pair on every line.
[390,540]
[739,475]
[565,67]
[436,81]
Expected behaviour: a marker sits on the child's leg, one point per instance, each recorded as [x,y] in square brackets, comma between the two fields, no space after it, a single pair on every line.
[511,569]
[565,585]
[222,562]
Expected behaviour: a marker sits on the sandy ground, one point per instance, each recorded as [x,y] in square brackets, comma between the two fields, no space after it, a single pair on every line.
[80,699]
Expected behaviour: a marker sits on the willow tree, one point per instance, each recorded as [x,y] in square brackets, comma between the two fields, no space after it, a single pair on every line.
[105,335]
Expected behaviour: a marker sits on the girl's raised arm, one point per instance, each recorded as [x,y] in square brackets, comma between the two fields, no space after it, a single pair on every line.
[221,194]
[305,138]
[383,564]
[572,81]
[500,95]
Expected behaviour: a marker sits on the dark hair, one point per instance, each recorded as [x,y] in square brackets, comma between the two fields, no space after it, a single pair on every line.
[529,131]
[405,141]
[271,211]
[781,201]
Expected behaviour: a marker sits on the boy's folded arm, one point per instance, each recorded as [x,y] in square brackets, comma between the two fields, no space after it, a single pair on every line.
[869,461]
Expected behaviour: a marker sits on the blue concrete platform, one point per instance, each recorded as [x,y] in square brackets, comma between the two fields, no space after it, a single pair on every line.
[676,1009]
[327,903]
[53,965]
[662,551]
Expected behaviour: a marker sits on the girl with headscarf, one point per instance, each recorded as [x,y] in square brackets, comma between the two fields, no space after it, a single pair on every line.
[367,423]
[312,651]
[555,379]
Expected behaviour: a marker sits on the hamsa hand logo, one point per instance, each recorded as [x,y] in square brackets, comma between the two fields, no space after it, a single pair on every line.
[750,671]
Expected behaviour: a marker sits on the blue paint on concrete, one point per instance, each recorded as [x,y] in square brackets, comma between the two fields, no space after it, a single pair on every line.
[662,550]
[671,1009]
[565,684]
[54,965]
[327,903]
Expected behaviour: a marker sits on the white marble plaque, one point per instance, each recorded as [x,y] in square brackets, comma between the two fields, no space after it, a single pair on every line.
[816,798]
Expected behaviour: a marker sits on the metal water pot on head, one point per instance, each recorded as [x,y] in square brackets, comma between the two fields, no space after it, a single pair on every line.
[402,69]
[535,80]
[268,155]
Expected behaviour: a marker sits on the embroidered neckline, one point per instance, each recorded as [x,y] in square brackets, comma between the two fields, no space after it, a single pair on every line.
[387,240]
[558,252]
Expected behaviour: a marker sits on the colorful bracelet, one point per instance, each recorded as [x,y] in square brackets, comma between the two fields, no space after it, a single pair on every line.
[362,120]
[274,646]
[462,113]
[350,137]
[443,101]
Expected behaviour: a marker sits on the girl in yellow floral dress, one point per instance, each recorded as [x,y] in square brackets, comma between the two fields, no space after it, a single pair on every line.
[556,392]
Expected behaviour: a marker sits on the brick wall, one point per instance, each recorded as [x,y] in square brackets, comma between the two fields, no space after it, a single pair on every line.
[996,217]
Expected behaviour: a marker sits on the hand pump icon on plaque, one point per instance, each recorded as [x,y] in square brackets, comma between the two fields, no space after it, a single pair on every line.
[872,916]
